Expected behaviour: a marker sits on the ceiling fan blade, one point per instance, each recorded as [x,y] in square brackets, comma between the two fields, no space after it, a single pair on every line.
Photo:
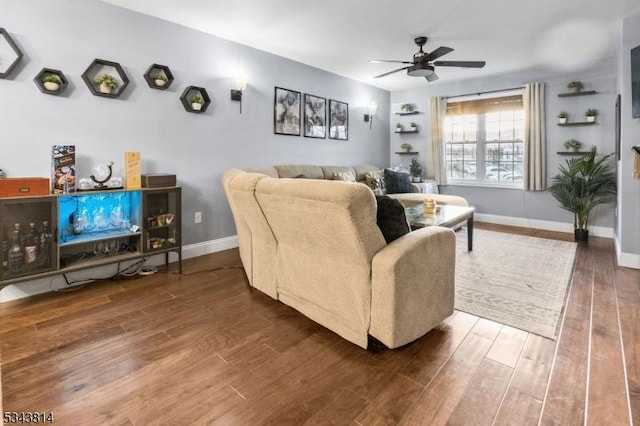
[464,64]
[432,77]
[440,51]
[384,60]
[391,72]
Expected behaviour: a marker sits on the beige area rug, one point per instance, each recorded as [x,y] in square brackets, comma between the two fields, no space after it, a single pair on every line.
[516,280]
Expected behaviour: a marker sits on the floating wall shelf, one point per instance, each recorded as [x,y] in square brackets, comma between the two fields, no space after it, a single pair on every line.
[578,123]
[407,113]
[98,66]
[569,94]
[6,39]
[571,152]
[154,70]
[407,152]
[407,131]
[43,86]
[189,93]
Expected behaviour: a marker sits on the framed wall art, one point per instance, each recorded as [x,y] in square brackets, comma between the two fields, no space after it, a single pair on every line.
[618,118]
[286,112]
[635,82]
[338,120]
[315,116]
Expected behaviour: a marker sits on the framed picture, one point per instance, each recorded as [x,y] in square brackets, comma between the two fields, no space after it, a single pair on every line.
[315,116]
[635,82]
[618,117]
[286,112]
[338,120]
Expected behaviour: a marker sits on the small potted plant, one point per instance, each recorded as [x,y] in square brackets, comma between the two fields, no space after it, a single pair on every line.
[575,86]
[160,79]
[591,114]
[413,126]
[196,103]
[415,170]
[398,127]
[106,81]
[406,146]
[406,107]
[51,82]
[562,117]
[572,145]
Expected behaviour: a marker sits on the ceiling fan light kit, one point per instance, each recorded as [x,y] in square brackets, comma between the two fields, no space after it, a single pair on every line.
[423,64]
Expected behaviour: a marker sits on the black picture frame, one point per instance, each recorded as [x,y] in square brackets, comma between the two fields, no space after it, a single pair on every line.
[315,116]
[338,120]
[618,124]
[635,82]
[286,112]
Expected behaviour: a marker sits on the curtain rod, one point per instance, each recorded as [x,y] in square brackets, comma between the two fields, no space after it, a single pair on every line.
[483,93]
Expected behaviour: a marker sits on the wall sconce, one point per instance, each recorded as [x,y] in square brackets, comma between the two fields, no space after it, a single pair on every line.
[241,84]
[373,107]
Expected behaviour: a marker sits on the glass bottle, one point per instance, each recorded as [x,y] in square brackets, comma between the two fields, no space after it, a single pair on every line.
[45,241]
[16,256]
[31,245]
[6,244]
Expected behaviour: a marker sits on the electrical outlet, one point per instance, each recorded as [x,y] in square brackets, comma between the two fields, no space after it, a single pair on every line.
[198,217]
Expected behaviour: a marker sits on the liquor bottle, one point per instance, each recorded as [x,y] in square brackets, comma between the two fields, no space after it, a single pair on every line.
[16,256]
[31,245]
[6,244]
[45,241]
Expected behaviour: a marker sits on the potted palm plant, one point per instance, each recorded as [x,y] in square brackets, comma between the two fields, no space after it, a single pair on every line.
[415,170]
[581,185]
[106,81]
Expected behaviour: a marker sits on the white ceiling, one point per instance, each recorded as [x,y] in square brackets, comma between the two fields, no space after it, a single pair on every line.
[342,35]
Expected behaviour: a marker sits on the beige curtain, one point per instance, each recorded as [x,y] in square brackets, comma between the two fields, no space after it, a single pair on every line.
[435,161]
[535,140]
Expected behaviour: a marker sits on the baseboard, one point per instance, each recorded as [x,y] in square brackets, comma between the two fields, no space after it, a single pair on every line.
[627,260]
[547,225]
[44,285]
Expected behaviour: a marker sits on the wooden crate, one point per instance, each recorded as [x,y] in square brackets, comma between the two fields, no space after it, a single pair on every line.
[24,186]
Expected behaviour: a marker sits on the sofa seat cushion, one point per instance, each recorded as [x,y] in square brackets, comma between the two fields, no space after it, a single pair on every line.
[409,200]
[391,218]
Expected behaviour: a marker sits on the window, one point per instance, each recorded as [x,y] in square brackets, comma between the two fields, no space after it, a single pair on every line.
[484,141]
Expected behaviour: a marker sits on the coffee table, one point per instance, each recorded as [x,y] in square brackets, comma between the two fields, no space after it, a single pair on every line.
[447,215]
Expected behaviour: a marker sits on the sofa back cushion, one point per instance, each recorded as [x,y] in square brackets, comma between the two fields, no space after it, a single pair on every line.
[391,218]
[397,182]
[327,236]
[300,171]
[330,172]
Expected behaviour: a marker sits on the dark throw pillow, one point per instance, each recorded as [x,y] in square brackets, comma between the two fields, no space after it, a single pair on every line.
[396,182]
[391,218]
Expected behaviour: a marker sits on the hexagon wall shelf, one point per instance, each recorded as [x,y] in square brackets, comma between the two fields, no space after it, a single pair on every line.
[189,93]
[154,70]
[48,88]
[95,68]
[6,39]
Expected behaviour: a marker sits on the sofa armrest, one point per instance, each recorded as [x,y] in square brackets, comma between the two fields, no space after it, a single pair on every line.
[412,285]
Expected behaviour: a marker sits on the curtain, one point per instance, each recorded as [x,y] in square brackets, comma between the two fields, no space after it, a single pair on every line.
[435,161]
[535,171]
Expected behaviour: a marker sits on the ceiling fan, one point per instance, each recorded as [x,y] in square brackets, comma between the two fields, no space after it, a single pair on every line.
[423,64]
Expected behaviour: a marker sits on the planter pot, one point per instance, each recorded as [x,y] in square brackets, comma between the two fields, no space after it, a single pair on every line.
[572,149]
[413,129]
[415,179]
[159,83]
[591,118]
[104,88]
[398,129]
[196,106]
[581,234]
[49,85]
[562,120]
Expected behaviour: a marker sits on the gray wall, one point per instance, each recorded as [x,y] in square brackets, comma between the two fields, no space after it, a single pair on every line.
[513,202]
[69,34]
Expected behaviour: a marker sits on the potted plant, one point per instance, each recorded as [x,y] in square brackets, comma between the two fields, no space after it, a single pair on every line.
[575,86]
[398,127]
[106,81]
[415,170]
[406,146]
[160,79]
[196,102]
[572,145]
[51,82]
[562,117]
[591,114]
[581,185]
[414,126]
[406,107]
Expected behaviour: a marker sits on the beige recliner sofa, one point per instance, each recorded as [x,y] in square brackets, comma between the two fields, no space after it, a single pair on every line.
[314,245]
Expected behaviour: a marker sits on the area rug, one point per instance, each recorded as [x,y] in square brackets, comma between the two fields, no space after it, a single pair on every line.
[513,279]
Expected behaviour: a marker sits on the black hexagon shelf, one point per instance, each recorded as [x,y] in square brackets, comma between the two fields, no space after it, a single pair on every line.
[6,38]
[188,95]
[51,87]
[158,70]
[97,67]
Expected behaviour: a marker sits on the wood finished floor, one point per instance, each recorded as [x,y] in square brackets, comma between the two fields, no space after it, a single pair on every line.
[202,348]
